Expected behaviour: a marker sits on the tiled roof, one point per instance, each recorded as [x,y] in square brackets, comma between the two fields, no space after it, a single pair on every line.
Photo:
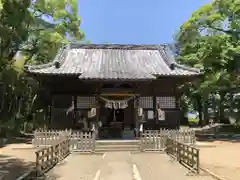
[114,61]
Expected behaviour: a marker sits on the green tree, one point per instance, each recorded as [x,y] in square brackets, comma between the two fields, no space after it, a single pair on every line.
[34,30]
[55,23]
[209,40]
[13,28]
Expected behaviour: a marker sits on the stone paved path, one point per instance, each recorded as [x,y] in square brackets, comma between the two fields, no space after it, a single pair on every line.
[76,167]
[117,166]
[121,165]
[153,166]
[14,161]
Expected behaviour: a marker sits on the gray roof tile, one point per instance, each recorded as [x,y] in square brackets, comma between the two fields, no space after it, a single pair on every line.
[107,61]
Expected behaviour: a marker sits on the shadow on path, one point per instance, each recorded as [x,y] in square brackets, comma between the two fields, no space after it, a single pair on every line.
[12,167]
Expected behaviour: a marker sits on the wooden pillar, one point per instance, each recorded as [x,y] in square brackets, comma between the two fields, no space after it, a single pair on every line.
[47,104]
[74,110]
[97,94]
[154,101]
[177,95]
[136,117]
[97,99]
[97,108]
[50,112]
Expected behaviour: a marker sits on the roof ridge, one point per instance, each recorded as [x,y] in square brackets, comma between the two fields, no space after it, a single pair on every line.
[77,45]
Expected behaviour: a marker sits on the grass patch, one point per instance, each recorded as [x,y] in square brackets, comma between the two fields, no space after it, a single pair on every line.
[193,121]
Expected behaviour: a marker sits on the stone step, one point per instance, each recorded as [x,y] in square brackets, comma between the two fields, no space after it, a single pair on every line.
[117,142]
[117,145]
[116,150]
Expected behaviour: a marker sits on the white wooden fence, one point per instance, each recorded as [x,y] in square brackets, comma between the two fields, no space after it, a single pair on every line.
[155,140]
[82,142]
[151,140]
[79,141]
[45,138]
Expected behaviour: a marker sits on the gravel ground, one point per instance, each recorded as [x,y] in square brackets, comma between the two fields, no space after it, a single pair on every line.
[222,158]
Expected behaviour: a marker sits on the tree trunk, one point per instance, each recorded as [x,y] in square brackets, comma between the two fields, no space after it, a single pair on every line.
[231,104]
[199,109]
[205,112]
[215,108]
[222,118]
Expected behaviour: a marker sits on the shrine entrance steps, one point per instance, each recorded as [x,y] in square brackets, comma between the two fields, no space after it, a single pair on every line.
[117,145]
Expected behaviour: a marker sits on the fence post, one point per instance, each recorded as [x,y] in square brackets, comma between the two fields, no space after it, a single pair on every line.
[45,138]
[198,161]
[194,137]
[93,142]
[166,144]
[38,169]
[178,150]
[141,141]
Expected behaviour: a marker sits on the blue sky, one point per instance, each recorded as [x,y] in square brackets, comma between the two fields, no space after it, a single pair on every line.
[134,21]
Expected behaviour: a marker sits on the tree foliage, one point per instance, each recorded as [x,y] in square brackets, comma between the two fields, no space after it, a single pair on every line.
[30,31]
[14,24]
[55,23]
[210,40]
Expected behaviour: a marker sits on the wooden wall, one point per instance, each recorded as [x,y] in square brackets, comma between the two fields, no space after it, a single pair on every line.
[163,90]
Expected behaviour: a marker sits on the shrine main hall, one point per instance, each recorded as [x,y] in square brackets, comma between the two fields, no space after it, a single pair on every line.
[120,85]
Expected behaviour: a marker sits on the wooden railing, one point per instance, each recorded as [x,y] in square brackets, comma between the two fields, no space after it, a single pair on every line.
[155,140]
[49,137]
[82,142]
[185,154]
[79,141]
[48,157]
[185,136]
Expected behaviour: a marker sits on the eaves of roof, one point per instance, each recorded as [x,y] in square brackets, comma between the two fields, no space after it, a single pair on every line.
[113,61]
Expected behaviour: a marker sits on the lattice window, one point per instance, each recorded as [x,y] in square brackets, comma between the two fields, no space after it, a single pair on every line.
[86,102]
[166,102]
[146,102]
